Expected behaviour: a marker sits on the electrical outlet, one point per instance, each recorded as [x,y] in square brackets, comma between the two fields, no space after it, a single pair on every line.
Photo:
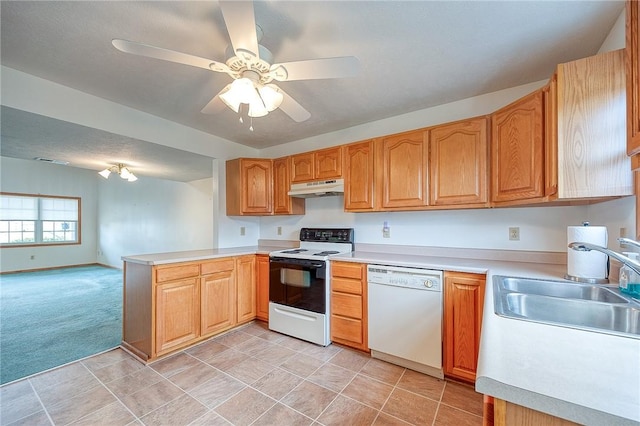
[242,230]
[386,231]
[514,233]
[279,230]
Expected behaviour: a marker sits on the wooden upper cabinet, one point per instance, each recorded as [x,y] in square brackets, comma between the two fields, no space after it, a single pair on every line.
[249,186]
[302,167]
[633,79]
[314,165]
[591,139]
[358,176]
[402,172]
[517,150]
[458,155]
[328,163]
[282,202]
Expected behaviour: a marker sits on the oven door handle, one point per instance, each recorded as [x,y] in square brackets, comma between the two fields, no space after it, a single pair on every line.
[298,262]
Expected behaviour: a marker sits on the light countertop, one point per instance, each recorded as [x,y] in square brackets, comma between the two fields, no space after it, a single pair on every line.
[586,377]
[196,255]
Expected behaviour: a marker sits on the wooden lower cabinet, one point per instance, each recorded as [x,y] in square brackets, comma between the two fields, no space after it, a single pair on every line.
[170,307]
[246,288]
[463,303]
[349,304]
[262,287]
[177,313]
[508,414]
[217,295]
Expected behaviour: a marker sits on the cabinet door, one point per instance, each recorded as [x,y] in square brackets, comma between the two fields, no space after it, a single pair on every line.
[246,288]
[328,163]
[218,302]
[257,186]
[463,302]
[302,167]
[458,163]
[262,284]
[282,202]
[592,142]
[633,77]
[517,150]
[177,313]
[403,170]
[358,176]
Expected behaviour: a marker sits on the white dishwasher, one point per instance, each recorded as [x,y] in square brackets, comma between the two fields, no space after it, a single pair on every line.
[405,317]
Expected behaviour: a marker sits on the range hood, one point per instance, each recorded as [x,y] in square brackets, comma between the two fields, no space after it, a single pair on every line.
[321,188]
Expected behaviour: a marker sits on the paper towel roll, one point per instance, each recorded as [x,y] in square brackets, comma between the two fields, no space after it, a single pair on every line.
[587,264]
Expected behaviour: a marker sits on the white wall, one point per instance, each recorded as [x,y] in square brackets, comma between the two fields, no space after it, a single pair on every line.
[153,216]
[32,177]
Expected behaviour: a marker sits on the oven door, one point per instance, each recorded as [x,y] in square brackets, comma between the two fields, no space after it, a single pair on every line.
[299,283]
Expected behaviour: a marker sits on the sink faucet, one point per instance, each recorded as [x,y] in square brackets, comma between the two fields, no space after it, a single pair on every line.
[579,246]
[629,242]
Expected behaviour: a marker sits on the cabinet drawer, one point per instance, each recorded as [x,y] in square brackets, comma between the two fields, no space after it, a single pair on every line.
[346,329]
[219,265]
[347,270]
[348,305]
[171,273]
[346,286]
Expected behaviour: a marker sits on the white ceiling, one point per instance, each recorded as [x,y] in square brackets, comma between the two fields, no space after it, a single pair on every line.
[413,55]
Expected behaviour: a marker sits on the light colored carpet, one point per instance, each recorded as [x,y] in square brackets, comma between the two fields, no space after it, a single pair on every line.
[49,318]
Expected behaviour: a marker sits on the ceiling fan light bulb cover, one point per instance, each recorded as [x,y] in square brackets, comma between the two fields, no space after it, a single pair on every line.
[229,99]
[105,173]
[271,96]
[244,90]
[132,177]
[124,173]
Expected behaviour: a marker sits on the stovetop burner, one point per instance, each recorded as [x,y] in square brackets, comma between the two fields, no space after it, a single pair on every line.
[319,244]
[294,251]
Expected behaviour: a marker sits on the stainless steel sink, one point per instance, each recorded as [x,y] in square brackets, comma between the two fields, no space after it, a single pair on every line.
[562,303]
[561,289]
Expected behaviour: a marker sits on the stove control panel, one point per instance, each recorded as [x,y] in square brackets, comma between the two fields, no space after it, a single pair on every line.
[327,235]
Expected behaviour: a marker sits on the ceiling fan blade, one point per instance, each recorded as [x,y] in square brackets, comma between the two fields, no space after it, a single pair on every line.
[241,25]
[344,66]
[149,51]
[293,109]
[215,105]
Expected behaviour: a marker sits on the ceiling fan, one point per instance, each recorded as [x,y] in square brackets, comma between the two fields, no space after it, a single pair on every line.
[251,66]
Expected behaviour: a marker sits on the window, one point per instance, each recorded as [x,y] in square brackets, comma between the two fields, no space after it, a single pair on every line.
[38,220]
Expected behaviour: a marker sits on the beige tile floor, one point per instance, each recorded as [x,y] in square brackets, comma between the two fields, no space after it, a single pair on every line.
[249,376]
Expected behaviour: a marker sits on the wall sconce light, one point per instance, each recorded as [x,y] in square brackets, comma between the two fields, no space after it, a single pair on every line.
[121,170]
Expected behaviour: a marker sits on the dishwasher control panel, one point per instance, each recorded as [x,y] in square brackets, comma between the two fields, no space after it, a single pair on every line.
[416,278]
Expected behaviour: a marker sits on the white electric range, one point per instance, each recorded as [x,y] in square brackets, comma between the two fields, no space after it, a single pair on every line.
[299,283]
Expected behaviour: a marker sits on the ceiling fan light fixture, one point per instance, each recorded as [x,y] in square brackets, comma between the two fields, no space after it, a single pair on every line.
[105,173]
[121,170]
[271,96]
[124,173]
